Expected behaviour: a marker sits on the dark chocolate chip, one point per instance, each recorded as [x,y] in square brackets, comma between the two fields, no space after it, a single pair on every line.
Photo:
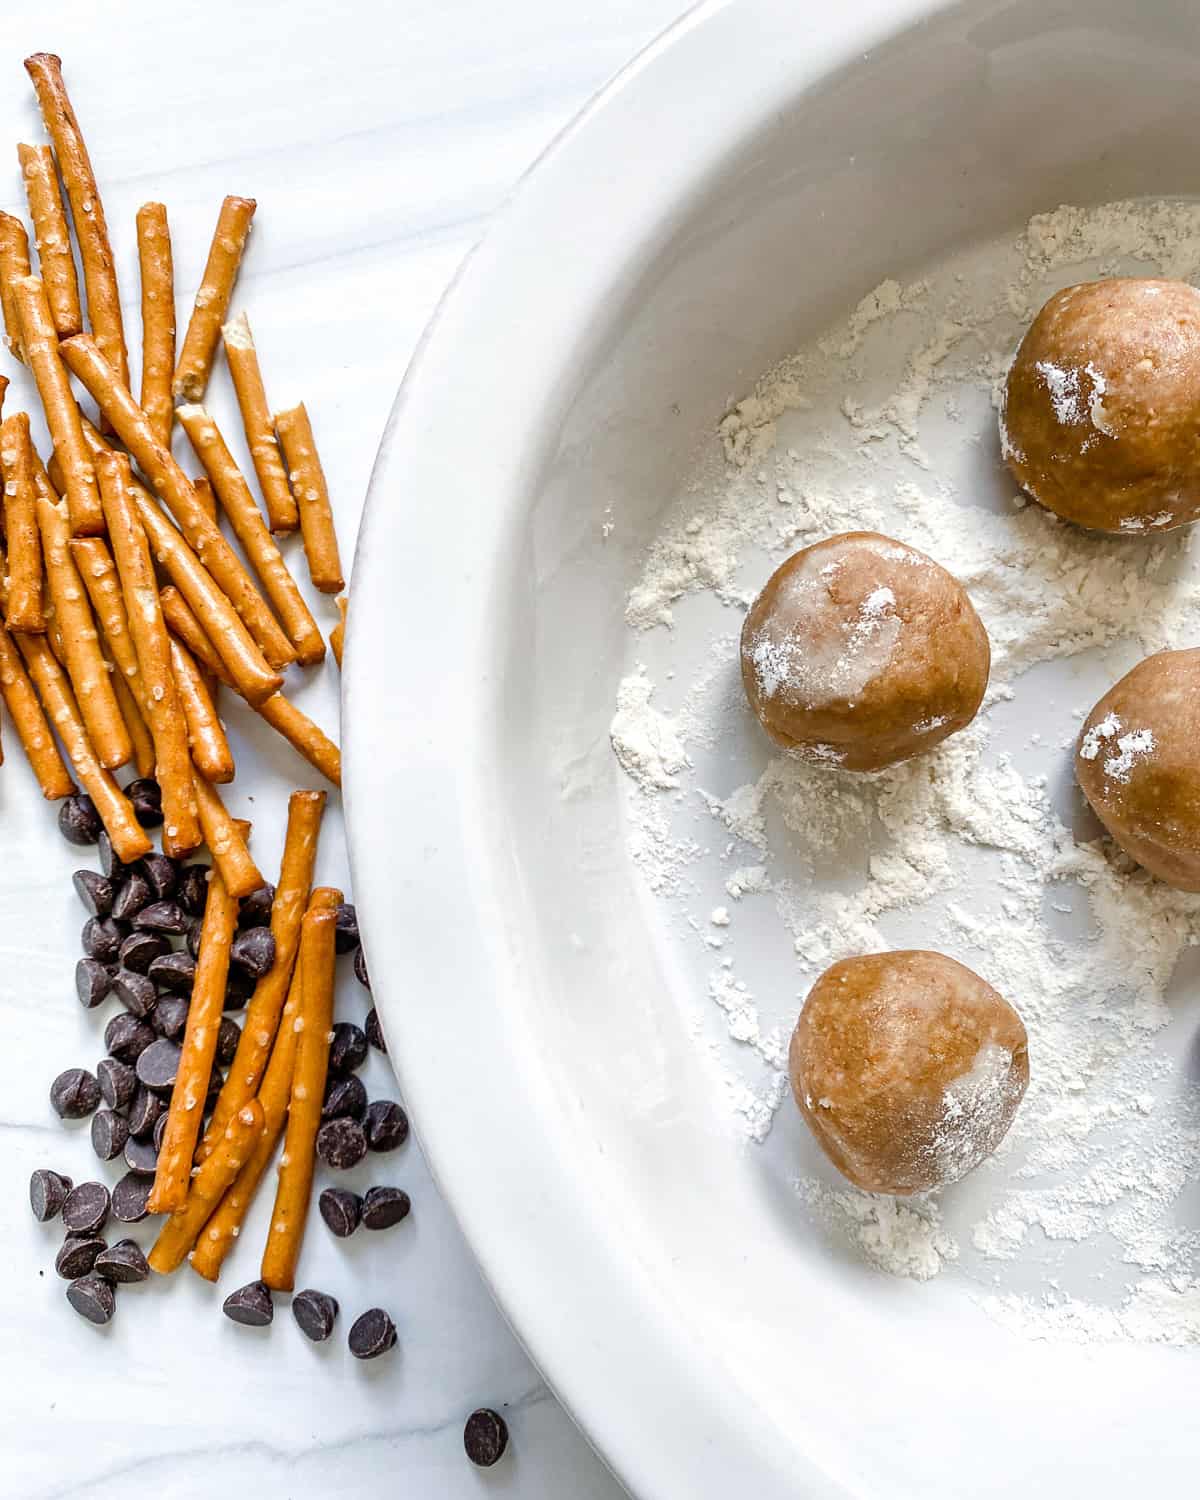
[255,910]
[140,949]
[250,1304]
[111,866]
[162,874]
[78,1254]
[169,1016]
[192,890]
[485,1437]
[158,1065]
[253,951]
[141,1156]
[132,895]
[375,1031]
[93,981]
[344,1096]
[74,1094]
[216,1080]
[372,1334]
[78,820]
[341,1210]
[135,991]
[348,1049]
[386,1125]
[129,1197]
[360,969]
[101,938]
[160,1130]
[229,1034]
[147,1106]
[238,988]
[341,1144]
[93,1298]
[110,1131]
[47,1193]
[162,916]
[385,1206]
[123,1263]
[315,1312]
[117,1081]
[174,971]
[192,936]
[86,1208]
[146,797]
[95,891]
[127,1037]
[346,929]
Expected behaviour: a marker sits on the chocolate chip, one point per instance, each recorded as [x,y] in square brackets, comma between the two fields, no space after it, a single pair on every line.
[144,1113]
[255,910]
[135,991]
[174,971]
[253,951]
[117,1081]
[346,928]
[93,1298]
[47,1193]
[126,1037]
[192,936]
[129,1197]
[123,1263]
[485,1437]
[341,1144]
[229,1034]
[93,981]
[169,1016]
[341,1210]
[160,1130]
[110,865]
[162,874]
[250,1304]
[192,890]
[372,1334]
[344,1097]
[74,1094]
[146,797]
[110,1131]
[360,972]
[158,1065]
[140,949]
[375,1031]
[386,1125]
[95,891]
[385,1206]
[162,916]
[132,895]
[348,1049]
[216,1080]
[78,820]
[315,1312]
[238,988]
[78,1254]
[141,1156]
[101,938]
[86,1208]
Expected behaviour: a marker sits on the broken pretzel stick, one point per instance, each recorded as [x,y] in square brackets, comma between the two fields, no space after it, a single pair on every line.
[14,264]
[158,318]
[304,736]
[178,1234]
[87,211]
[312,498]
[204,493]
[183,624]
[56,263]
[210,749]
[337,635]
[131,552]
[225,843]
[212,299]
[30,722]
[242,358]
[24,611]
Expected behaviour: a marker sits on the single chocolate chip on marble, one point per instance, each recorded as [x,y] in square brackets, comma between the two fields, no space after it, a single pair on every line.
[158,1066]
[374,1030]
[141,1156]
[129,1197]
[239,986]
[346,937]
[96,892]
[127,1037]
[250,1305]
[117,1080]
[174,971]
[93,1298]
[385,1206]
[47,1193]
[78,1254]
[192,890]
[147,1106]
[169,1016]
[110,865]
[133,894]
[122,1263]
[485,1437]
[140,949]
[86,1208]
[344,1096]
[93,981]
[135,991]
[255,910]
[101,938]
[348,1049]
[253,951]
[78,820]
[315,1312]
[372,1334]
[341,1210]
[146,796]
[229,1034]
[192,936]
[360,969]
[162,916]
[74,1094]
[386,1125]
[162,874]
[110,1131]
[341,1144]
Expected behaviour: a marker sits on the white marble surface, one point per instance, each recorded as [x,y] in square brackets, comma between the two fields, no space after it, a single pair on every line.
[377,139]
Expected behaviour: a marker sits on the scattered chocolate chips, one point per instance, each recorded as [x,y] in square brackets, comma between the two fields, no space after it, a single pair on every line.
[255,910]
[146,796]
[375,1031]
[158,1065]
[78,1254]
[229,1034]
[239,986]
[346,928]
[250,1305]
[144,1113]
[93,981]
[135,991]
[140,949]
[74,1094]
[129,1197]
[253,951]
[386,1125]
[123,1263]
[360,972]
[86,1208]
[117,1082]
[344,1097]
[141,1156]
[341,1144]
[126,1036]
[169,1016]
[372,1334]
[110,1131]
[162,916]
[192,890]
[101,938]
[315,1312]
[385,1206]
[96,892]
[485,1437]
[133,894]
[47,1193]
[162,875]
[348,1049]
[341,1210]
[78,820]
[174,971]
[93,1298]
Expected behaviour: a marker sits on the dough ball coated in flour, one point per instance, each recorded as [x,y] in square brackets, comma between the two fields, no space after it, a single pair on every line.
[1138,763]
[860,652]
[908,1068]
[1100,420]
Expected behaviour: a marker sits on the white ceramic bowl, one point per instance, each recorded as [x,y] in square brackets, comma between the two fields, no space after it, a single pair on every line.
[757,169]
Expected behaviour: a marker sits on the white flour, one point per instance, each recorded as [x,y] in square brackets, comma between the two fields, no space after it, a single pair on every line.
[888,422]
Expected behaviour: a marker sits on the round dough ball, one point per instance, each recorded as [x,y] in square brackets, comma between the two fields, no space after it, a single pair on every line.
[1136,763]
[861,652]
[1100,420]
[909,1069]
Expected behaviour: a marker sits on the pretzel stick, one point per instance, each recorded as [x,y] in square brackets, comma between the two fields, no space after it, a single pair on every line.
[206,737]
[212,299]
[199,1049]
[4,383]
[208,1185]
[99,574]
[41,346]
[168,480]
[183,624]
[304,736]
[242,358]
[158,318]
[204,493]
[294,1188]
[181,824]
[139,736]
[30,723]
[56,264]
[248,526]
[312,498]
[87,211]
[24,610]
[225,843]
[337,635]
[261,1023]
[14,264]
